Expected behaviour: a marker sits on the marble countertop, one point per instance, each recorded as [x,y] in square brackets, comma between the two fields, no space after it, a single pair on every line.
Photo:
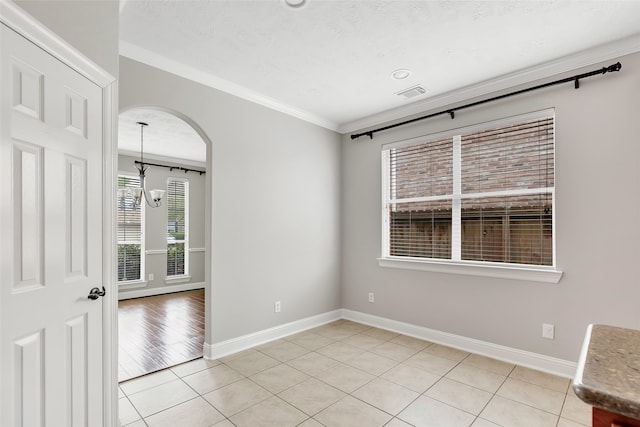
[608,374]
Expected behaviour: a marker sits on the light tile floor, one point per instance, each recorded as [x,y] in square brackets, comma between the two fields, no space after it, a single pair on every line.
[351,375]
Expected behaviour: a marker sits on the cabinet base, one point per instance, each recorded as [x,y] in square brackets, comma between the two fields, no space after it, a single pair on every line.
[602,418]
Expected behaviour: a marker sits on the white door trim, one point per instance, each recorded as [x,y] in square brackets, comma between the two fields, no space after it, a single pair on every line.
[30,28]
[25,25]
[109,260]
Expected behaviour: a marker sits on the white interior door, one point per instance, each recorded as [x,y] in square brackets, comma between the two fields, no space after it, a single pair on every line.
[51,240]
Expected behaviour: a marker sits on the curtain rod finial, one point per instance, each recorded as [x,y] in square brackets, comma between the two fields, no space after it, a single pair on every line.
[611,68]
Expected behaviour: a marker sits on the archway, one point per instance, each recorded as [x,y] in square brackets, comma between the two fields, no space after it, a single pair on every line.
[166,251]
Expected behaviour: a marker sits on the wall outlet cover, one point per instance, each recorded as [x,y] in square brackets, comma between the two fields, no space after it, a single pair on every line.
[548,331]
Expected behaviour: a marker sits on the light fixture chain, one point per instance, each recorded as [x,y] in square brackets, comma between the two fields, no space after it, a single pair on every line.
[156,195]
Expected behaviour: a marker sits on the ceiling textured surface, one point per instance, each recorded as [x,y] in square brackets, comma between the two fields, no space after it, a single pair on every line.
[166,136]
[331,61]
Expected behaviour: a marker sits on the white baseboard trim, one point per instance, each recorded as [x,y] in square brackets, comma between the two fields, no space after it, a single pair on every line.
[234,345]
[138,293]
[552,365]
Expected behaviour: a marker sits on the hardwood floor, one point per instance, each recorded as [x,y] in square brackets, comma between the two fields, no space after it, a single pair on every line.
[159,332]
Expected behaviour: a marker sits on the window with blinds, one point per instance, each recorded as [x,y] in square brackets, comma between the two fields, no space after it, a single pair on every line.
[130,231]
[177,202]
[479,194]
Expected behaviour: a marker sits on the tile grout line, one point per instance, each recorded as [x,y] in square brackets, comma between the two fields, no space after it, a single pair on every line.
[374,376]
[494,395]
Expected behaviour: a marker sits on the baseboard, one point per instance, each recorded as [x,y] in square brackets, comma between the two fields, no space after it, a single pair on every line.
[560,367]
[551,365]
[138,293]
[234,345]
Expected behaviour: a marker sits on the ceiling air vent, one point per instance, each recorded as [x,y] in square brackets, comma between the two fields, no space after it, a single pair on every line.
[412,92]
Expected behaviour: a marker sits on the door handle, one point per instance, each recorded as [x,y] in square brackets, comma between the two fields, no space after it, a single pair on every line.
[96,293]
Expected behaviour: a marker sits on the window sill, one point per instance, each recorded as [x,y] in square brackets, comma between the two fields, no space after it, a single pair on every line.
[545,275]
[132,284]
[155,251]
[172,280]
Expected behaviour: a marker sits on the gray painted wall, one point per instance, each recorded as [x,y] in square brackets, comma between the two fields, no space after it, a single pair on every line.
[276,203]
[90,26]
[156,223]
[597,217]
[278,217]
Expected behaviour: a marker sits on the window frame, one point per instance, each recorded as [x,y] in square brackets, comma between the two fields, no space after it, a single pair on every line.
[141,280]
[183,277]
[539,273]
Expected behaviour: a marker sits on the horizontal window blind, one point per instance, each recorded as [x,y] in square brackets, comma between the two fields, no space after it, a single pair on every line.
[177,218]
[129,230]
[423,170]
[518,157]
[129,262]
[175,259]
[483,195]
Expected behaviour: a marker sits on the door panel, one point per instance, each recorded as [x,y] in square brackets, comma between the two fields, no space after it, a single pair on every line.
[76,381]
[51,245]
[28,380]
[27,217]
[76,206]
[28,89]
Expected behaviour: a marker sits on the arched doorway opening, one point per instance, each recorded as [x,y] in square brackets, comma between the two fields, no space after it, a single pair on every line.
[163,269]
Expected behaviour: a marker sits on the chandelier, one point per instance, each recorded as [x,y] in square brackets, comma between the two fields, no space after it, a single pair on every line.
[154,198]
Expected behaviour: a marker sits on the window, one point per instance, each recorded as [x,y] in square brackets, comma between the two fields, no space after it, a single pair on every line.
[483,194]
[177,227]
[130,231]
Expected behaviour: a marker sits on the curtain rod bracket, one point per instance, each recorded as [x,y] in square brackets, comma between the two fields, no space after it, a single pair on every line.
[576,84]
[452,113]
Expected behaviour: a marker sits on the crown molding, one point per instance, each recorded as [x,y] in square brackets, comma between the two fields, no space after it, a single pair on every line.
[548,69]
[14,17]
[147,57]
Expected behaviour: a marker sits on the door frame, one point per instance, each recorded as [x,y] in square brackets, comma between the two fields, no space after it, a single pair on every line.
[28,27]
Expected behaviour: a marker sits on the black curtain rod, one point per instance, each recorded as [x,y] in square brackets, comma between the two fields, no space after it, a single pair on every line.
[170,167]
[451,111]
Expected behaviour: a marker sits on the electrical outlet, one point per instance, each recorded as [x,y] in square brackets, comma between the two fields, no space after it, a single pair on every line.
[548,331]
[276,307]
[150,277]
[371,297]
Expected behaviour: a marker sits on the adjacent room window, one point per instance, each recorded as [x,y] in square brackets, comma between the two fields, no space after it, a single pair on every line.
[177,227]
[482,194]
[130,231]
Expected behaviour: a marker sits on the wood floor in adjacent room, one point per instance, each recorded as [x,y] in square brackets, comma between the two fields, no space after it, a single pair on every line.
[158,332]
